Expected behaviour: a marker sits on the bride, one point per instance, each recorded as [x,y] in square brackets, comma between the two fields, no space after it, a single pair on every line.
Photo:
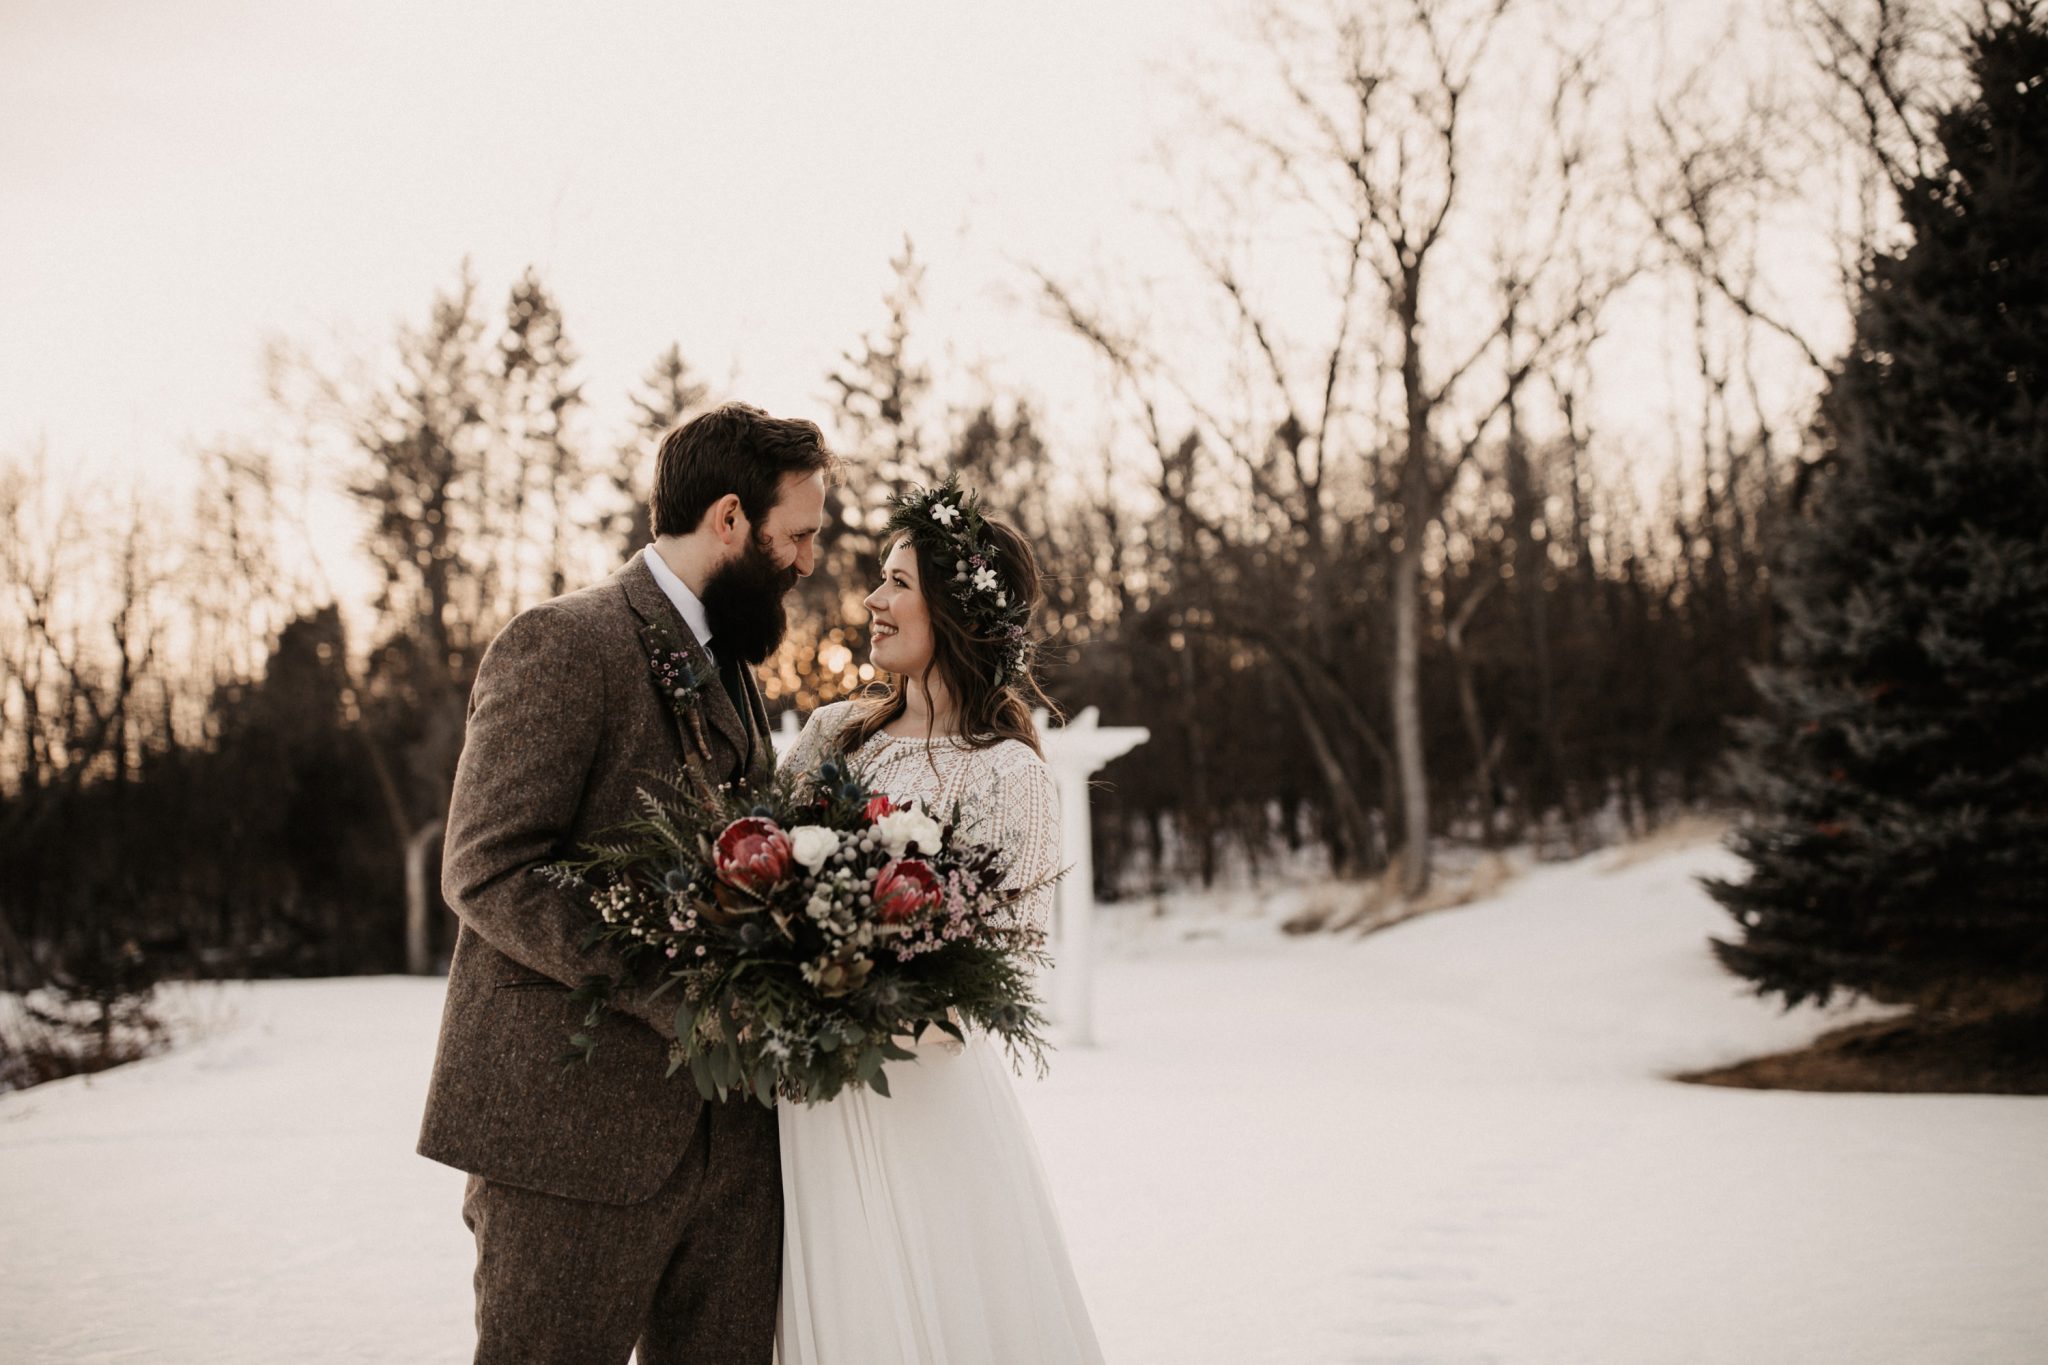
[919,1228]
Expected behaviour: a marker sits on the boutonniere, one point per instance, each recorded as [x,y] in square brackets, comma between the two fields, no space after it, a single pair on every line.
[679,682]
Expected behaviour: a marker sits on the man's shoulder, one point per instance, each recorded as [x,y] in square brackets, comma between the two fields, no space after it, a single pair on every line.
[586,615]
[577,632]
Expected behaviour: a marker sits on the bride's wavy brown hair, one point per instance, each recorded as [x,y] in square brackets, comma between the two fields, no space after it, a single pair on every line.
[965,657]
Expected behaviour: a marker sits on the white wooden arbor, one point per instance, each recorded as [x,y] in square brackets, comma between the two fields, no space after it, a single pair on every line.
[1075,752]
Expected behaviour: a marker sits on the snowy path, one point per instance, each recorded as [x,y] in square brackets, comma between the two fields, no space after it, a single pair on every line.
[1444,1145]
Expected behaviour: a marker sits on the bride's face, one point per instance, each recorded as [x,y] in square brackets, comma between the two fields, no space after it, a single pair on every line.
[900,625]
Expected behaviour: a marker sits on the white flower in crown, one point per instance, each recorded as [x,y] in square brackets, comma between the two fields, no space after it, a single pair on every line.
[985,579]
[1002,599]
[945,514]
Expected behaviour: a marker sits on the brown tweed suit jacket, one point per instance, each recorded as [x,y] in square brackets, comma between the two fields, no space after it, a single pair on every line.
[565,724]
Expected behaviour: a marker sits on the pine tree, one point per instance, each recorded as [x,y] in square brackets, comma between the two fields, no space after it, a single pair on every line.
[539,401]
[669,395]
[1897,782]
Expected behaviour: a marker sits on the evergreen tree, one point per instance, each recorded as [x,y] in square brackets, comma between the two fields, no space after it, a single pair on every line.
[882,428]
[539,402]
[1898,779]
[669,395]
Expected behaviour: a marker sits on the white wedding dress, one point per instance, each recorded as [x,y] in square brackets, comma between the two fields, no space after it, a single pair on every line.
[919,1229]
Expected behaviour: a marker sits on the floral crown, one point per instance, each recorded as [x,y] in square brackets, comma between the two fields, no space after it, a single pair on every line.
[946,523]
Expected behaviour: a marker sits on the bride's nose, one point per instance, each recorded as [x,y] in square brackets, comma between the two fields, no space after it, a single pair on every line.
[869,600]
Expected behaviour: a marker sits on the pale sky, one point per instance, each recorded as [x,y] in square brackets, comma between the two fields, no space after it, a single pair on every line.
[183,180]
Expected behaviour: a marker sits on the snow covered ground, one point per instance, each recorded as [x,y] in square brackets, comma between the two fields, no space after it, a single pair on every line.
[1448,1143]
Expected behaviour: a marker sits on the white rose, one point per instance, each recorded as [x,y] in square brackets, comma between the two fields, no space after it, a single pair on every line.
[899,829]
[811,845]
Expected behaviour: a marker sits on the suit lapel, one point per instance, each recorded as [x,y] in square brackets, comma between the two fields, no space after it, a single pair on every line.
[760,763]
[651,605]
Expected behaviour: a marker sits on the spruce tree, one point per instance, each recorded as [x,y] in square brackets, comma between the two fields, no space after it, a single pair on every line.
[1896,781]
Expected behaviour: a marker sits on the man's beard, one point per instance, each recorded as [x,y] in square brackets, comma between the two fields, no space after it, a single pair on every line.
[743,604]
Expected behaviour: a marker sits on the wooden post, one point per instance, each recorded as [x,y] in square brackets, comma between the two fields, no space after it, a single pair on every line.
[419,899]
[1075,752]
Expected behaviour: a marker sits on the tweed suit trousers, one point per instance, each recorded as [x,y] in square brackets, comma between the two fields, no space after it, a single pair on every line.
[567,1281]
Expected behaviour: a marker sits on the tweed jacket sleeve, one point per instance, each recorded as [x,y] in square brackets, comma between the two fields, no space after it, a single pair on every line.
[536,727]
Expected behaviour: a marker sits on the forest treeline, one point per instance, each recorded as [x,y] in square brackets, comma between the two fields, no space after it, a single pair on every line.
[1370,580]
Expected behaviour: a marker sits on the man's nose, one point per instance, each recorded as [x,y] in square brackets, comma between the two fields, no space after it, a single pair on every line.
[806,560]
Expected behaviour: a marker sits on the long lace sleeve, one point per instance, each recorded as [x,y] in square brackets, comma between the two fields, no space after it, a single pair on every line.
[816,738]
[1026,826]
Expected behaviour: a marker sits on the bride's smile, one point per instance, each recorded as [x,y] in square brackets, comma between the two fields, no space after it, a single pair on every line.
[899,624]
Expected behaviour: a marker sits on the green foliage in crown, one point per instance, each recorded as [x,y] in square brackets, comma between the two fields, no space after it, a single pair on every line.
[947,524]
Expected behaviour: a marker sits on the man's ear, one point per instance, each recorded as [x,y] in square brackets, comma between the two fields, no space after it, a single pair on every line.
[728,519]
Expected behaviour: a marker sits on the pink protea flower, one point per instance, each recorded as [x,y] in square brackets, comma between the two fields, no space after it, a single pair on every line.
[903,888]
[753,854]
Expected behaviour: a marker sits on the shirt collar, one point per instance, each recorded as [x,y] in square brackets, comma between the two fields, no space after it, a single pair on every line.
[678,592]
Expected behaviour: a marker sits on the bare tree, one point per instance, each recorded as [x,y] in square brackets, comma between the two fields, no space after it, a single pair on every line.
[1379,120]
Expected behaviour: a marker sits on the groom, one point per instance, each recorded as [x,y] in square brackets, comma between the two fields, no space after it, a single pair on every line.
[611,1206]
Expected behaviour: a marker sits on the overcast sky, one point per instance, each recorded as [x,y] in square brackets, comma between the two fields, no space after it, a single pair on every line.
[183,180]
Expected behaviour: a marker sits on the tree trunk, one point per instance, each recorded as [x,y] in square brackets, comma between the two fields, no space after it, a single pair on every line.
[1344,804]
[1475,726]
[1406,687]
[1406,587]
[419,898]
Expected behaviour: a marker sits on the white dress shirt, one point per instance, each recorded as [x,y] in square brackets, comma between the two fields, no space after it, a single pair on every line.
[686,602]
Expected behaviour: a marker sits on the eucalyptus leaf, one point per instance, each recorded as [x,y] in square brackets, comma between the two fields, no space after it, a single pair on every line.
[700,1072]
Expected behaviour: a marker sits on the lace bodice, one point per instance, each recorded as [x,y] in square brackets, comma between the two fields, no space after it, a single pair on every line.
[1005,792]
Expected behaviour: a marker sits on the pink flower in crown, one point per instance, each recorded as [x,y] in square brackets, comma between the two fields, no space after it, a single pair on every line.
[753,854]
[903,888]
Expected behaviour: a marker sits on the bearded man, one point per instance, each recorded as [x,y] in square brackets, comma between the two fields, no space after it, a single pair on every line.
[612,1207]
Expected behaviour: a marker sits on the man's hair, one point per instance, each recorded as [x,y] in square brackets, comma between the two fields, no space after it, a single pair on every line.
[734,448]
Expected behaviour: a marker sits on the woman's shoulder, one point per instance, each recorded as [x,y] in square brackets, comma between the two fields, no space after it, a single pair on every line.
[834,718]
[1011,758]
[832,714]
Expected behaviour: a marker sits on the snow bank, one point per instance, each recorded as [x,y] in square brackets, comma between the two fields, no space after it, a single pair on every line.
[1449,1142]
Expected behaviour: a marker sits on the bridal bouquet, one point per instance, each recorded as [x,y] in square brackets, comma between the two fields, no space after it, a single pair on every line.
[807,932]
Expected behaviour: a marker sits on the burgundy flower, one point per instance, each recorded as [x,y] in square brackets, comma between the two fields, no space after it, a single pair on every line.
[903,888]
[753,854]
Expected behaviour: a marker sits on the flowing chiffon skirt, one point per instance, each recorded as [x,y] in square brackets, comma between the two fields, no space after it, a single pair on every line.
[920,1229]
